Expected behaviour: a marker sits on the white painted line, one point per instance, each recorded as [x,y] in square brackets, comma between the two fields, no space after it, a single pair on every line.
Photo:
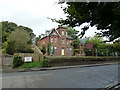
[27,76]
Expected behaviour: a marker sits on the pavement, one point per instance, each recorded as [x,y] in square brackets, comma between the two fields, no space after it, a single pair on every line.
[10,70]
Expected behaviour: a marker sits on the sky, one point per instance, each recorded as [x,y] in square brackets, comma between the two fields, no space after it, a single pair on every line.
[34,14]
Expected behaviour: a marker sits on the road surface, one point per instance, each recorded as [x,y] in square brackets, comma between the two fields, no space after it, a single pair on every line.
[85,77]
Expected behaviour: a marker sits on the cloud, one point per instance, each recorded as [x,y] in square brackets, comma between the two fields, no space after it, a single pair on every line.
[31,13]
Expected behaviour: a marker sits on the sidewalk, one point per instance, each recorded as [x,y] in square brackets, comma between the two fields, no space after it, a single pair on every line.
[55,68]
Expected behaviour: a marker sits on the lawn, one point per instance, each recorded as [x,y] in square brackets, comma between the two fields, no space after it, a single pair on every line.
[30,65]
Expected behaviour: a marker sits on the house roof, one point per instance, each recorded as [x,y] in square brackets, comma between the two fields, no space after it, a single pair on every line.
[50,33]
[56,30]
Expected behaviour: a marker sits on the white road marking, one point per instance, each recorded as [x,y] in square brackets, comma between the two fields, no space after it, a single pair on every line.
[27,76]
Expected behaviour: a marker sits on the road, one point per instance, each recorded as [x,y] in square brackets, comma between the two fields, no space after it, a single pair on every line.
[86,77]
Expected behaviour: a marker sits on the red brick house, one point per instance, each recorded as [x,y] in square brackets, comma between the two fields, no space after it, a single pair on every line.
[59,40]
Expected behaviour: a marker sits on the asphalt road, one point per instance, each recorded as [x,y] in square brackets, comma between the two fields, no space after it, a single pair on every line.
[86,77]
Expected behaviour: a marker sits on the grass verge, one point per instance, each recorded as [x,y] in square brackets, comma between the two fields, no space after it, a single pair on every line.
[30,65]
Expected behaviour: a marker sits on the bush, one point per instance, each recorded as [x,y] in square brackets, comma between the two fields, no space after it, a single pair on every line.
[45,63]
[17,61]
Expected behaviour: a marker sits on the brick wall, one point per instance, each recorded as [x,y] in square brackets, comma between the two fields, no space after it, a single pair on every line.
[59,37]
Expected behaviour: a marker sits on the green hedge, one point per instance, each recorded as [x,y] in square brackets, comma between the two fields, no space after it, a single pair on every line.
[17,61]
[45,63]
[57,59]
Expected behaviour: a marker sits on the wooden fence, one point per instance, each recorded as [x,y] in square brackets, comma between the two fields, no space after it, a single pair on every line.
[35,56]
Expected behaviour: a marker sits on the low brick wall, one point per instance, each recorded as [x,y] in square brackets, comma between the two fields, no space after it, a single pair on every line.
[78,60]
[35,56]
[6,60]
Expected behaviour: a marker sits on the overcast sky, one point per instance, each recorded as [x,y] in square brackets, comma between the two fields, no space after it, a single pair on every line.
[33,14]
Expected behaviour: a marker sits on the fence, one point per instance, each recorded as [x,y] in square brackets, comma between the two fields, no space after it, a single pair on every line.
[35,56]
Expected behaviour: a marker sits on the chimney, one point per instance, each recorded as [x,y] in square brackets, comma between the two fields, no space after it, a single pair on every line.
[42,35]
[47,32]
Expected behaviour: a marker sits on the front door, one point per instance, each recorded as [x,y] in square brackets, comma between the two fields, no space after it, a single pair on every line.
[62,51]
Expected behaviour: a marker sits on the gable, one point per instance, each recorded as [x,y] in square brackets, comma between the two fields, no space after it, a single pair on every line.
[54,33]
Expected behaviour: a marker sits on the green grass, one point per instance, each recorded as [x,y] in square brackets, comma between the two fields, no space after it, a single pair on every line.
[30,65]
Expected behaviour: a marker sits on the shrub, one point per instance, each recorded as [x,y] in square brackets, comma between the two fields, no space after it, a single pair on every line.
[17,61]
[45,63]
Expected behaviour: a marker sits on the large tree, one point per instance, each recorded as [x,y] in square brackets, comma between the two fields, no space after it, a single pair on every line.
[100,47]
[18,42]
[8,27]
[73,33]
[104,15]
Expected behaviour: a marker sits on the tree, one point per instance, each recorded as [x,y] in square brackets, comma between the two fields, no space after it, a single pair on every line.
[116,47]
[49,48]
[103,15]
[36,40]
[73,33]
[18,42]
[99,45]
[8,27]
[43,49]
[76,42]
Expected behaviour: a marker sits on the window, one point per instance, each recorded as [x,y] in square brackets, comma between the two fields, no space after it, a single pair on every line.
[67,50]
[55,50]
[43,42]
[62,51]
[55,40]
[51,40]
[66,34]
[63,41]
[67,43]
[70,50]
[62,32]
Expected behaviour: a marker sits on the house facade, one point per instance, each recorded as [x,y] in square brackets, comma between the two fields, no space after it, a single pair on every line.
[57,42]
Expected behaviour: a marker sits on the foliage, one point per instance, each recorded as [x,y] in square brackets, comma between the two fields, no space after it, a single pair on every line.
[45,63]
[49,48]
[17,61]
[43,50]
[76,50]
[36,40]
[104,15]
[76,43]
[96,40]
[9,27]
[30,65]
[98,44]
[18,41]
[115,47]
[72,32]
[42,63]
